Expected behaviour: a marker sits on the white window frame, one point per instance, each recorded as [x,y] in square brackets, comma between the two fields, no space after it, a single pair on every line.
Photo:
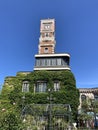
[41,86]
[56,85]
[25,86]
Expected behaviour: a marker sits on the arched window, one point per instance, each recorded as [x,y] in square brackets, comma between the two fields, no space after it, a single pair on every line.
[25,86]
[46,34]
[47,26]
[96,96]
[46,50]
[83,97]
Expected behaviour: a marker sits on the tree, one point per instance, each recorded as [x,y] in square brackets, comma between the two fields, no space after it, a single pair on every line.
[10,121]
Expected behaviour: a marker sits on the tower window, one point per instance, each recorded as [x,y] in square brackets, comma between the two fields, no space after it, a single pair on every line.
[46,34]
[46,26]
[46,50]
[25,86]
[53,62]
[59,61]
[41,86]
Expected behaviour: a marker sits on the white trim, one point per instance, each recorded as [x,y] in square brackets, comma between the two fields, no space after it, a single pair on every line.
[46,38]
[60,68]
[52,55]
[41,45]
[47,20]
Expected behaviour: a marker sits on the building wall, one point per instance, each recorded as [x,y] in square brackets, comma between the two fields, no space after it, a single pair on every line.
[90,93]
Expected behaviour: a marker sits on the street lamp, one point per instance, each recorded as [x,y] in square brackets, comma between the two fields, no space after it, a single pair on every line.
[50,110]
[23,105]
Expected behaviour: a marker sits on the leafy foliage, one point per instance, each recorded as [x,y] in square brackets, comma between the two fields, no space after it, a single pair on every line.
[12,90]
[10,122]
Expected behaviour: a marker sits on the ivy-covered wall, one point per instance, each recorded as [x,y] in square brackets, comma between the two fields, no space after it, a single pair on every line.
[68,93]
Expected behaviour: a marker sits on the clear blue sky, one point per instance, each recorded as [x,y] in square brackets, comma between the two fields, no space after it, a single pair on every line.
[76,33]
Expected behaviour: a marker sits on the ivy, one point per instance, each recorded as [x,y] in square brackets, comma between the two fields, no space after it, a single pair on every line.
[68,94]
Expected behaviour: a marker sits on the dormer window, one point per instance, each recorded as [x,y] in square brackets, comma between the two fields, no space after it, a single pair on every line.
[25,86]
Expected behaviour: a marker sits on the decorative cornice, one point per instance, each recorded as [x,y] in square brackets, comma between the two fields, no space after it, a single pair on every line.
[88,90]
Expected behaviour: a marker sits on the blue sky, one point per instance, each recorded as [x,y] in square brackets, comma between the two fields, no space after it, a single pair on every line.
[76,33]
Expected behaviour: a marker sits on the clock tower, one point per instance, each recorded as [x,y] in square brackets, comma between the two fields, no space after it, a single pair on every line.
[47,36]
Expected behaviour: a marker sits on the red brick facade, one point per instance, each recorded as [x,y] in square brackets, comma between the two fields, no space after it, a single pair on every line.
[47,36]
